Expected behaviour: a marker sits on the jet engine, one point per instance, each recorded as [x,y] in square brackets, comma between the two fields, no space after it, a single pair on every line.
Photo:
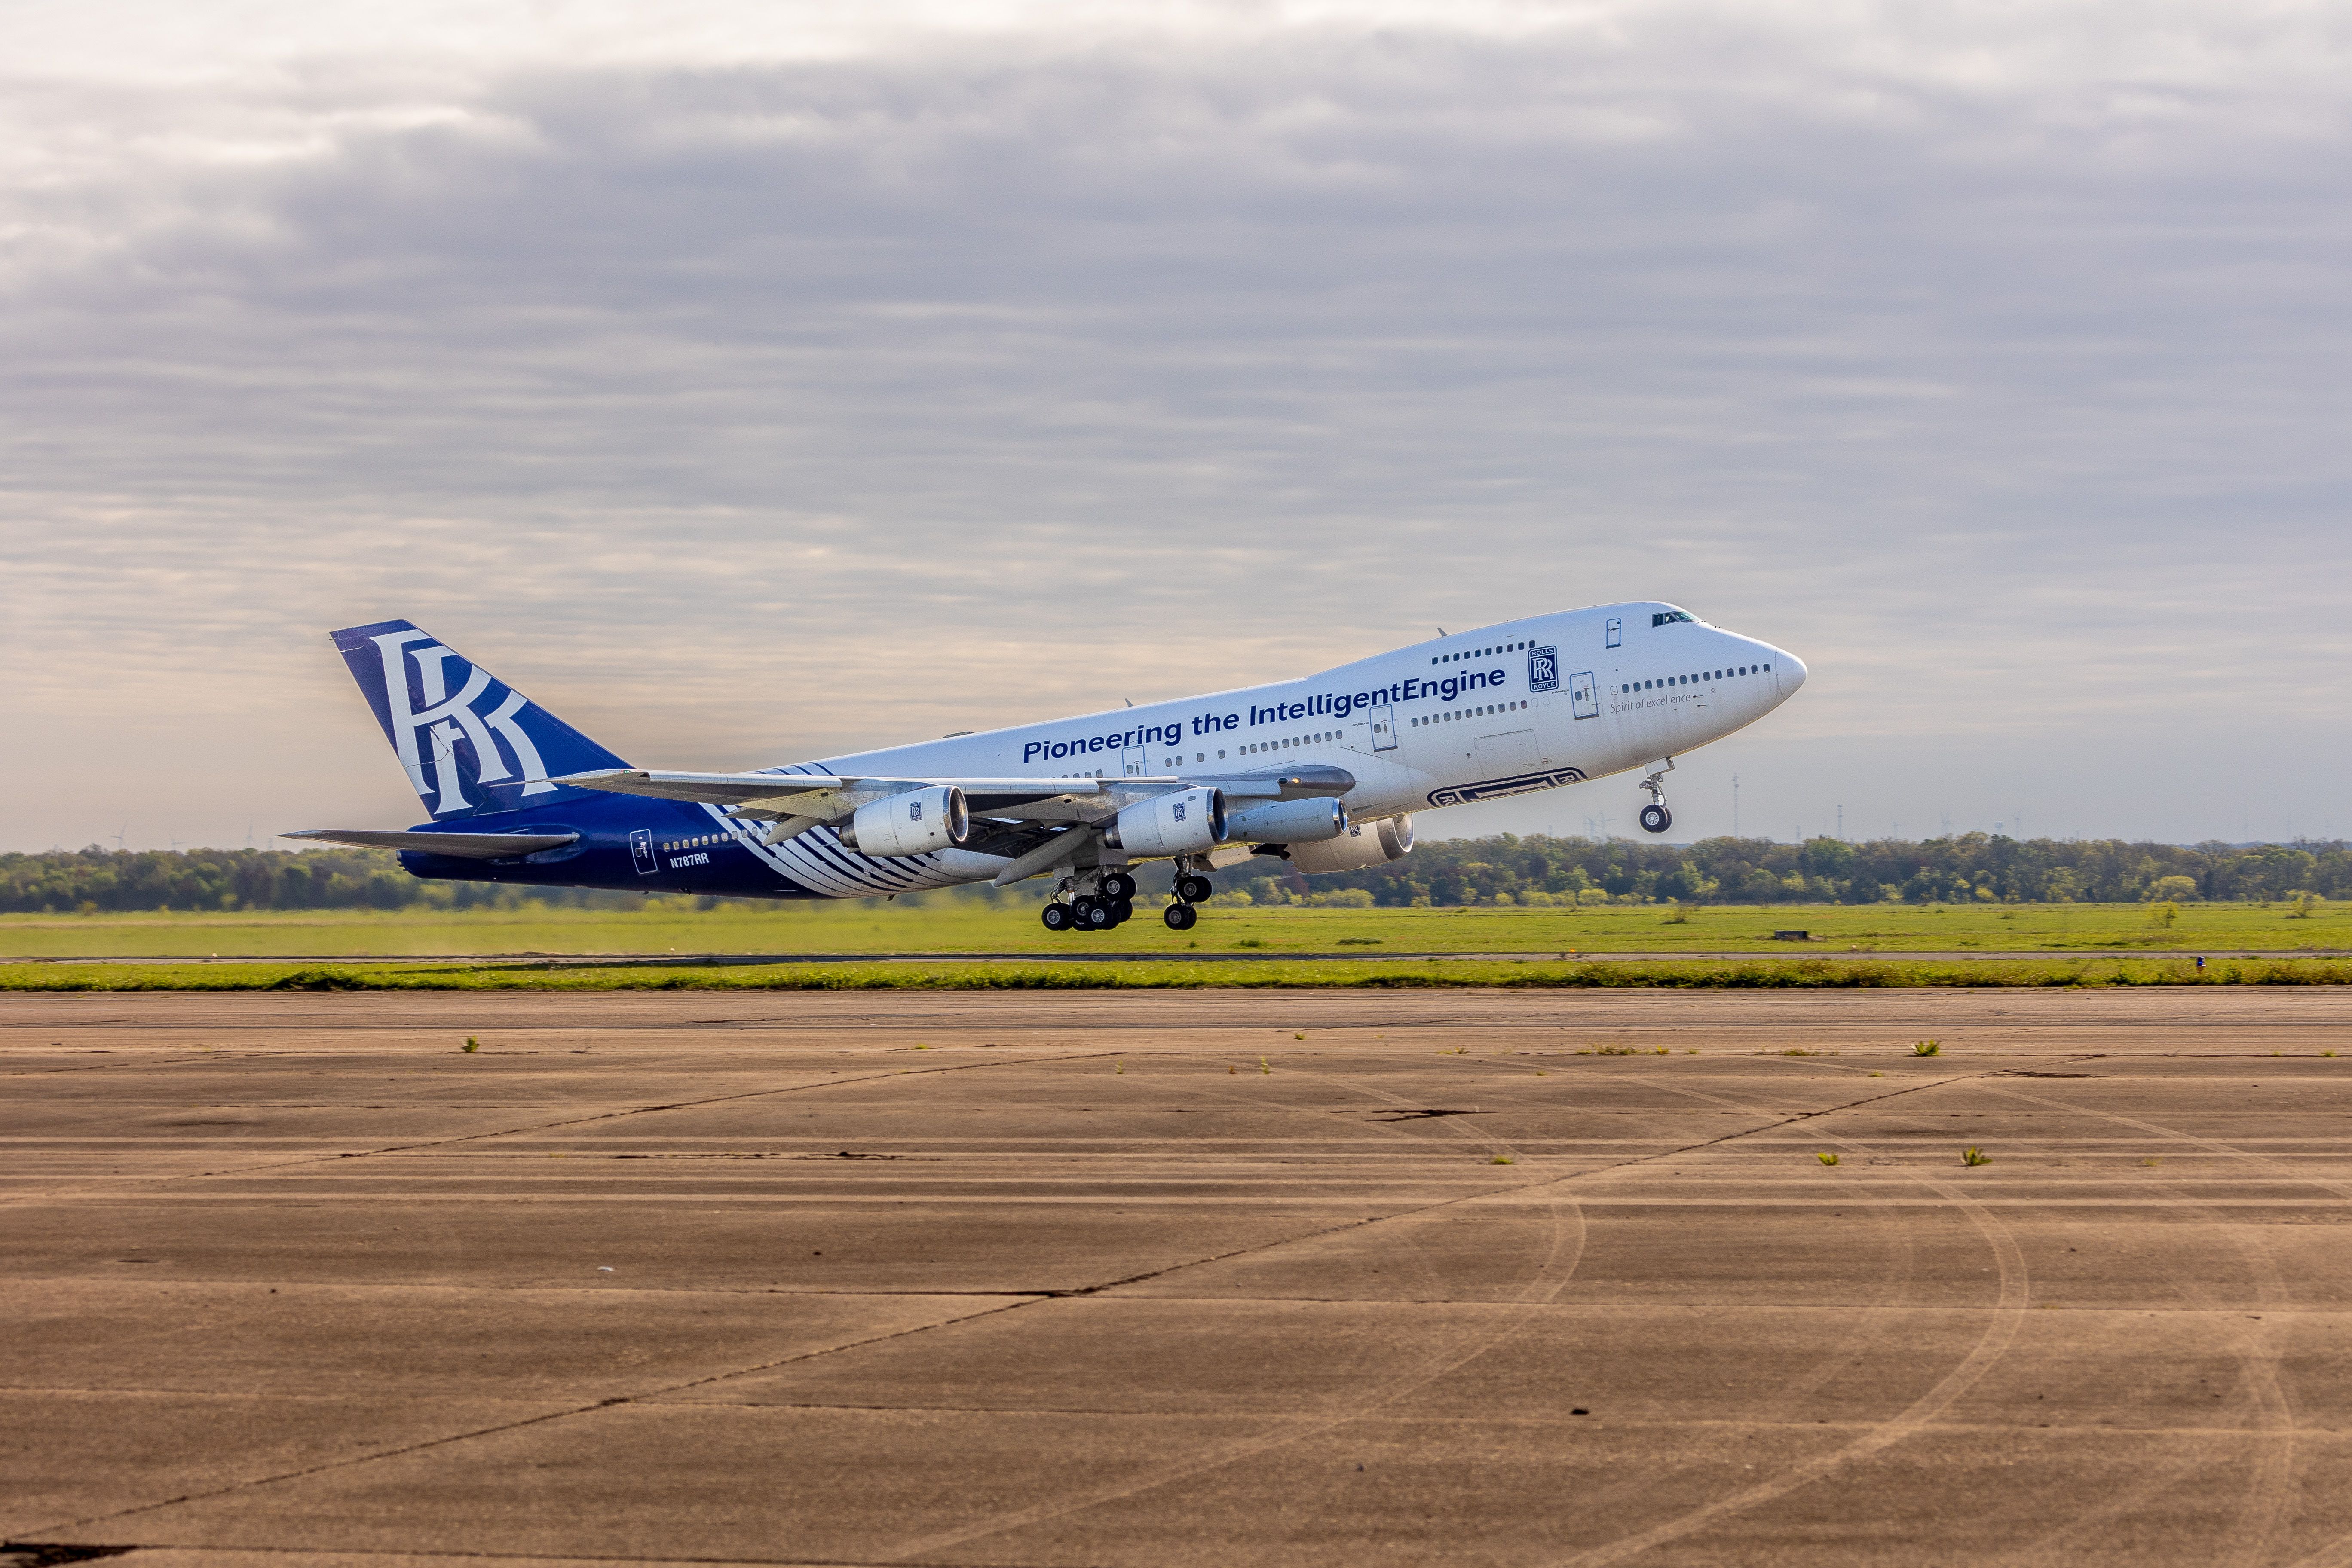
[914,823]
[1189,822]
[1364,843]
[1288,821]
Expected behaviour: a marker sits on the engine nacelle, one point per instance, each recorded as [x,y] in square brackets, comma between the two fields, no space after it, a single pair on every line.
[1364,843]
[1189,822]
[1288,821]
[915,823]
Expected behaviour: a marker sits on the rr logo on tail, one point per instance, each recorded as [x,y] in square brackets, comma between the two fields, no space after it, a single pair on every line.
[450,720]
[469,742]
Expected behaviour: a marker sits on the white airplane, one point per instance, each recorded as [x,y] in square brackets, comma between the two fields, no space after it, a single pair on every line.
[1325,771]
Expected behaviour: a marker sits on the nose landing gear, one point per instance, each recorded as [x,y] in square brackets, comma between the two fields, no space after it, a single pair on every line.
[1655,817]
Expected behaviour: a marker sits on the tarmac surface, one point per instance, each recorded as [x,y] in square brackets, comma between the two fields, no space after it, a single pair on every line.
[1191,1277]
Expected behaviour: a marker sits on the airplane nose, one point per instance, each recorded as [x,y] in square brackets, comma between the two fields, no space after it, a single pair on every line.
[1794,676]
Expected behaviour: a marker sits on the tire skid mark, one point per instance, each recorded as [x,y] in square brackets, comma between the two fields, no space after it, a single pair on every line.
[1008,1301]
[590,1118]
[1294,1429]
[1544,1283]
[2271,1488]
[2211,1145]
[1573,1228]
[1567,1236]
[2259,1394]
[2008,1314]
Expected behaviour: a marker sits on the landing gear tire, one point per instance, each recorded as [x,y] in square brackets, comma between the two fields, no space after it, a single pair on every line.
[1057,916]
[1093,915]
[1179,917]
[1656,818]
[1117,886]
[1194,889]
[1123,910]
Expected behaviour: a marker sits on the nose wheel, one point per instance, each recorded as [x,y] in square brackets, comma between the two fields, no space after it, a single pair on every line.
[1655,817]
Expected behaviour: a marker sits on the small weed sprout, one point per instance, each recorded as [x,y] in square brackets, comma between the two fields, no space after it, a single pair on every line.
[1298,1036]
[1826,1158]
[1119,1068]
[1456,1051]
[1263,1065]
[1878,1075]
[1230,1069]
[1925,1047]
[2327,1053]
[471,1044]
[1972,1155]
[1503,1160]
[2152,1162]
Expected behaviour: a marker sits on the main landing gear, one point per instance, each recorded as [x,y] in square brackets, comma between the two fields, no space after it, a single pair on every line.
[1191,888]
[1099,902]
[1655,817]
[1102,901]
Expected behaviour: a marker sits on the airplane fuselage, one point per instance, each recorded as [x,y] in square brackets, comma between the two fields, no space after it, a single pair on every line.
[1524,705]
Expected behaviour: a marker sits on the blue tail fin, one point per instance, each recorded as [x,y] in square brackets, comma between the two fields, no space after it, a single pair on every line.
[471,743]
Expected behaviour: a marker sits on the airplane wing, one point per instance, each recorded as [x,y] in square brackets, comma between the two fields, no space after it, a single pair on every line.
[464,846]
[829,798]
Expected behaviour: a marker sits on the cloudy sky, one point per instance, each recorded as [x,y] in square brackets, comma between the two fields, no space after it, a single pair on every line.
[779,380]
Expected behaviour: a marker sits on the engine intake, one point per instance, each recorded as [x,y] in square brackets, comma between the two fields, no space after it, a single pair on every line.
[1288,821]
[914,823]
[1188,822]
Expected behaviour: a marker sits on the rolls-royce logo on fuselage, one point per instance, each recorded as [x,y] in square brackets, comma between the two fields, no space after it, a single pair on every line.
[1543,669]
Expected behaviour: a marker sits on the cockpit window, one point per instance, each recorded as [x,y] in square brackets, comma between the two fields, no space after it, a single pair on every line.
[1663,617]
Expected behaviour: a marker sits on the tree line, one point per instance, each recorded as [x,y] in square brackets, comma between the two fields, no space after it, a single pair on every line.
[1972,868]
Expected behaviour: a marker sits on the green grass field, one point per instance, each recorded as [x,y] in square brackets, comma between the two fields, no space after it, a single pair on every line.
[963,926]
[1041,974]
[960,926]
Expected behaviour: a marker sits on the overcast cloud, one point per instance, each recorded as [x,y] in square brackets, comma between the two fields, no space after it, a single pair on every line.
[762,387]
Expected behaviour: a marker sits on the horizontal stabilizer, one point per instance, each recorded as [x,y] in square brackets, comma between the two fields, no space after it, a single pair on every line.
[463,846]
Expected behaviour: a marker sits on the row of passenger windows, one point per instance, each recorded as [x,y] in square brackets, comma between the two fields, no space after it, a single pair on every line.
[1699,677]
[1478,653]
[1317,738]
[674,845]
[1451,715]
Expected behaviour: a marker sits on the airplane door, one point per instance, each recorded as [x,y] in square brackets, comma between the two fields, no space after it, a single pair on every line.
[1383,727]
[1136,764]
[1584,694]
[641,849]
